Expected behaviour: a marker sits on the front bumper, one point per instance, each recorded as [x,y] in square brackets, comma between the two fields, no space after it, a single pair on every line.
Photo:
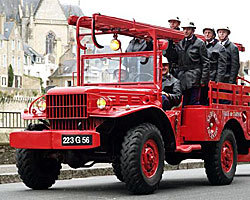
[48,139]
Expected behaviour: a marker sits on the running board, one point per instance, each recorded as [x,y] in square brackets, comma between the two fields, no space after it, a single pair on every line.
[188,148]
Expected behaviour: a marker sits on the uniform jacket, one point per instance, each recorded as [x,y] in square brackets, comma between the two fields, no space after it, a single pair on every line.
[172,86]
[193,63]
[218,61]
[233,62]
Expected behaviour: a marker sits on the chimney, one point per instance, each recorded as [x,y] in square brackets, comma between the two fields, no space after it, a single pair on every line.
[2,21]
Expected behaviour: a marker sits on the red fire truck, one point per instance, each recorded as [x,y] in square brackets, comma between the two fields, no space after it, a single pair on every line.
[118,119]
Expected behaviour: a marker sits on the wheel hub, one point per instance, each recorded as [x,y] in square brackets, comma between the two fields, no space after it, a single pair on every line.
[149,158]
[227,156]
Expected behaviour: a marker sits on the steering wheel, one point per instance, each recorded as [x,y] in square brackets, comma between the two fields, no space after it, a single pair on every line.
[143,77]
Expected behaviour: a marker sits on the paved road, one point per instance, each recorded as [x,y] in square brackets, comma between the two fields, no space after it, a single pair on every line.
[181,184]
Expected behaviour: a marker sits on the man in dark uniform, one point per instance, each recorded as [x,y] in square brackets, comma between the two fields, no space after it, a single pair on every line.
[174,23]
[218,60]
[233,60]
[171,88]
[233,63]
[193,65]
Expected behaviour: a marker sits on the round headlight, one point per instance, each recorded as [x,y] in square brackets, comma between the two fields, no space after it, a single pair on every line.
[101,103]
[41,105]
[115,45]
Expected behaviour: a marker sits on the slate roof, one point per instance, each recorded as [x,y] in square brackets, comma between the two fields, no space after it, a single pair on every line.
[72,10]
[68,66]
[30,52]
[8,26]
[2,37]
[10,8]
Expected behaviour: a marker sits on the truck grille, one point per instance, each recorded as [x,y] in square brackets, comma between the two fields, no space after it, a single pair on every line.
[66,111]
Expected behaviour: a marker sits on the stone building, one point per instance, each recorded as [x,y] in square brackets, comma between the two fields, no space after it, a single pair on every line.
[40,26]
[11,52]
[45,36]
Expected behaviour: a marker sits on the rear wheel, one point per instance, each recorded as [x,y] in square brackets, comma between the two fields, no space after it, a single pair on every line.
[221,159]
[142,159]
[36,171]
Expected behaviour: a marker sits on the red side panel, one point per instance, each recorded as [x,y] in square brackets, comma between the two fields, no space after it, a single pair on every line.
[197,121]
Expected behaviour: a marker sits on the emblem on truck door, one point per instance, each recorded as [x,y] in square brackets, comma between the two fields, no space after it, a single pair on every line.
[212,121]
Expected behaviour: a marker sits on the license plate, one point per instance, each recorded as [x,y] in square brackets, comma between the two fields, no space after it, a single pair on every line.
[69,140]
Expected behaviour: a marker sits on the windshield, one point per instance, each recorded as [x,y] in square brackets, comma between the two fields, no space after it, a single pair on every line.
[115,68]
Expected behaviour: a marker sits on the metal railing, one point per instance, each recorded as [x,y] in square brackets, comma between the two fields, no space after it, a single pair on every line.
[13,120]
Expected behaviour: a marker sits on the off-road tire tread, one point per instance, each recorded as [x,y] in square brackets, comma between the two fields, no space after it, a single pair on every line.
[117,170]
[212,162]
[29,169]
[132,175]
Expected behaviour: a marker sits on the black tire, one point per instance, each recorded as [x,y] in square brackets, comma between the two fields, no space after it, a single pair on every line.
[137,179]
[36,171]
[117,170]
[218,172]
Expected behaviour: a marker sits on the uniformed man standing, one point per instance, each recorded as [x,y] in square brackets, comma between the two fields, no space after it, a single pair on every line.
[193,65]
[218,61]
[233,63]
[174,23]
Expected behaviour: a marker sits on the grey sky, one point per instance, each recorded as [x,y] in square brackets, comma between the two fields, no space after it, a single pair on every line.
[215,13]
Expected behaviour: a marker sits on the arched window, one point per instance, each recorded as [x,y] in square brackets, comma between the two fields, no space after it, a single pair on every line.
[50,42]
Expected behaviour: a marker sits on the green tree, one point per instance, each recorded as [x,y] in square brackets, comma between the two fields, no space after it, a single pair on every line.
[10,76]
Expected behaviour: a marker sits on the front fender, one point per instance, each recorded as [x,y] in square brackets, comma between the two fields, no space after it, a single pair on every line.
[120,111]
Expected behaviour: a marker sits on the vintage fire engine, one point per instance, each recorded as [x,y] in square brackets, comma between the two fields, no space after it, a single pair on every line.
[119,118]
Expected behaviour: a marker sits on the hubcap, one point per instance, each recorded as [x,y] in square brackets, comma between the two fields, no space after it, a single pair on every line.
[227,156]
[149,158]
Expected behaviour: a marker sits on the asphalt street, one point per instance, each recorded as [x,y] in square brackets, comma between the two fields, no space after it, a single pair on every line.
[181,184]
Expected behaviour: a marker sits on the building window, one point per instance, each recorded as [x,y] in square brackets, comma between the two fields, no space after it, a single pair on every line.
[19,45]
[50,42]
[29,60]
[1,44]
[4,61]
[13,61]
[13,44]
[29,72]
[25,60]
[18,64]
[4,81]
[38,60]
[68,83]
[18,81]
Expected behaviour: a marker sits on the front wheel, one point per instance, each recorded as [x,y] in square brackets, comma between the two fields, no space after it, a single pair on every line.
[142,159]
[37,171]
[221,159]
[117,169]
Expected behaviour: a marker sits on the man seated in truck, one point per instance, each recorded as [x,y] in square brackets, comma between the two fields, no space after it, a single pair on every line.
[171,88]
[124,74]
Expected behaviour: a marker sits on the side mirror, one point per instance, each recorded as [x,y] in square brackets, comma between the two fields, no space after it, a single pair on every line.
[163,44]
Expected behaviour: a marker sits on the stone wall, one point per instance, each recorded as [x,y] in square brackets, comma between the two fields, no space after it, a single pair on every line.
[32,83]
